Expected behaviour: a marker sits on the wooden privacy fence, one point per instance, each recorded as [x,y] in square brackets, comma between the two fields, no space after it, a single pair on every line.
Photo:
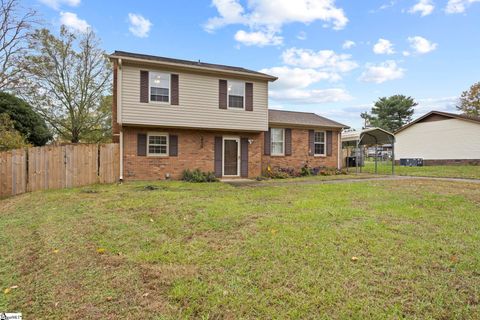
[55,167]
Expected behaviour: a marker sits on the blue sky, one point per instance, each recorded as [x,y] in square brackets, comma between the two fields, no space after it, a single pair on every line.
[334,58]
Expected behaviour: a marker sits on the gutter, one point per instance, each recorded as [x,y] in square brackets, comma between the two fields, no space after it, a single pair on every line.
[200,68]
[121,155]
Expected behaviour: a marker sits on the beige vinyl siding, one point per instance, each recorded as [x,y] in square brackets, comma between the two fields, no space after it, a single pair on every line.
[198,108]
[439,140]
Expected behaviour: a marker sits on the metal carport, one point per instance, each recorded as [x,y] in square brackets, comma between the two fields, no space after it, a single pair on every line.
[369,137]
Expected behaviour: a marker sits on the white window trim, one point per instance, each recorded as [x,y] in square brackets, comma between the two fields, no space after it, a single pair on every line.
[283,142]
[324,144]
[238,155]
[228,95]
[169,88]
[148,144]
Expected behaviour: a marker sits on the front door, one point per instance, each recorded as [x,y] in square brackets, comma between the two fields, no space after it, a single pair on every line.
[231,156]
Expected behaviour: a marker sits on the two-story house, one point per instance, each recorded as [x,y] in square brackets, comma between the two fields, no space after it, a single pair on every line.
[170,115]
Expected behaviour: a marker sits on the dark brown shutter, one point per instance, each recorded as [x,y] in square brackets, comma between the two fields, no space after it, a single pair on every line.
[266,142]
[218,157]
[288,142]
[244,157]
[249,96]
[143,86]
[173,145]
[329,143]
[141,144]
[174,88]
[311,142]
[222,94]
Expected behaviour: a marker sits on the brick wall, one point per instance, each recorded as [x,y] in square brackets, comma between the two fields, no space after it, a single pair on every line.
[447,162]
[300,153]
[195,150]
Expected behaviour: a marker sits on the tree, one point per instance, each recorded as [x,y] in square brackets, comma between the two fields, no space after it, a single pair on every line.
[25,120]
[15,27]
[391,113]
[366,119]
[470,101]
[68,75]
[9,137]
[103,132]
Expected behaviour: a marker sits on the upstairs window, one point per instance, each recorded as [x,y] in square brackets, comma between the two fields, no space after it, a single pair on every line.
[157,144]
[236,94]
[277,141]
[159,87]
[319,143]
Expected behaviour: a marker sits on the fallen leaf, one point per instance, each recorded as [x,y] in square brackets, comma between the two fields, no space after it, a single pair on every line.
[109,298]
[151,220]
[101,250]
[145,294]
[273,231]
[56,251]
[354,258]
[56,304]
[13,287]
[7,290]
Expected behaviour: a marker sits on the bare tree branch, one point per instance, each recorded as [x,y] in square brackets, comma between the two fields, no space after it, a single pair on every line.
[15,26]
[68,77]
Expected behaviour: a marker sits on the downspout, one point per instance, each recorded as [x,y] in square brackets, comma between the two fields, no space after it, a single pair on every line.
[340,151]
[121,155]
[119,115]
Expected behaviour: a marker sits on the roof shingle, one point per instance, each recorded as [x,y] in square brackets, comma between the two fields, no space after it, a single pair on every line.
[441,113]
[301,119]
[189,63]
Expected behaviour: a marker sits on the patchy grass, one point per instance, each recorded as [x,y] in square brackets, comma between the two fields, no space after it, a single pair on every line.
[468,172]
[216,251]
[349,175]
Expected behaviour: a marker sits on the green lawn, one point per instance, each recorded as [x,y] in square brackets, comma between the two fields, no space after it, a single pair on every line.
[218,251]
[469,172]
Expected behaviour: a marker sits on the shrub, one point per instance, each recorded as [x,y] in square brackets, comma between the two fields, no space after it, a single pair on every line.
[306,171]
[198,175]
[280,173]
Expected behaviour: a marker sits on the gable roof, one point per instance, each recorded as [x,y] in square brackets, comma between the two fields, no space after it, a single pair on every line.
[441,114]
[189,64]
[307,119]
[369,136]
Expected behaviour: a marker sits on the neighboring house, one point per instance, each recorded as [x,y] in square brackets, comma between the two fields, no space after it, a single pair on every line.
[170,115]
[440,138]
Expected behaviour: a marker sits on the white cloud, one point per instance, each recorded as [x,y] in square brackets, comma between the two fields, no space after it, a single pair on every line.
[406,53]
[381,72]
[302,35]
[312,96]
[139,26]
[304,69]
[348,44]
[458,6]
[425,105]
[383,46]
[421,45]
[270,16]
[325,59]
[73,22]
[384,6]
[289,78]
[258,38]
[55,4]
[425,7]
